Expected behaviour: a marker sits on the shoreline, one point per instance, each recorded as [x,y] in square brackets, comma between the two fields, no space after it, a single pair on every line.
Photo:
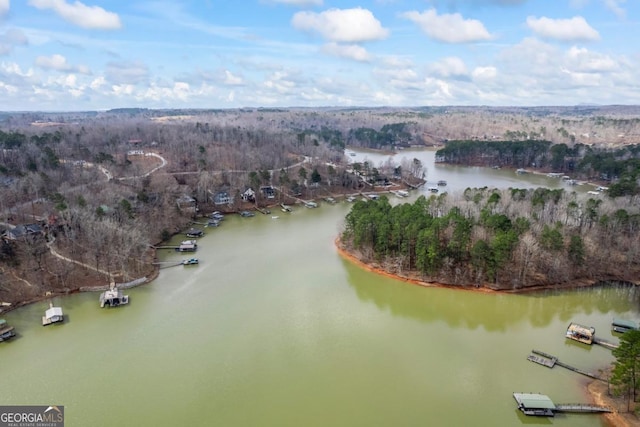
[82,289]
[598,392]
[345,253]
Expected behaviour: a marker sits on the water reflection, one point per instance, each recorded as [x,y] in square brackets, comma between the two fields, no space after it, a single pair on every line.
[492,312]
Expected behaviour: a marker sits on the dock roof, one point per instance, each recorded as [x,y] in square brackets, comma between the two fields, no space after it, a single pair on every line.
[52,312]
[630,324]
[534,401]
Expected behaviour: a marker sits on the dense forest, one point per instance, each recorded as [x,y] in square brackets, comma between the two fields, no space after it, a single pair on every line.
[618,166]
[501,239]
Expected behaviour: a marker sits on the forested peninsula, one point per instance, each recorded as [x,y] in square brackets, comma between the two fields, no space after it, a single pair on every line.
[500,239]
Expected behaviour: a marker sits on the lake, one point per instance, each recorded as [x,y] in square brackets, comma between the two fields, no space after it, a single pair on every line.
[274,328]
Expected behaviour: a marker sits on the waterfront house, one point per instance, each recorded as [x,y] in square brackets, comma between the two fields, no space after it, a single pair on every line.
[249,195]
[268,192]
[20,232]
[186,202]
[221,198]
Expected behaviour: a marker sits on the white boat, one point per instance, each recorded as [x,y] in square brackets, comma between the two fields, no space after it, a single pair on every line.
[311,204]
[402,193]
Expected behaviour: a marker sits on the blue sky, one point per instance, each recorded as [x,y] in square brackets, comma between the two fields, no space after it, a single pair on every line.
[62,55]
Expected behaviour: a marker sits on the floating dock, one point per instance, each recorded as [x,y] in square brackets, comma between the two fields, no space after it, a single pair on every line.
[587,335]
[545,359]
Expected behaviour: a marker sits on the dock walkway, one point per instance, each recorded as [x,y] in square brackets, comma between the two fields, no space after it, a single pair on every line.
[605,343]
[584,408]
[550,361]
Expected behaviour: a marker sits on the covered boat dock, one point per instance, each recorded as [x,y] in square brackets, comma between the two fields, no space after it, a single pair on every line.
[537,404]
[623,325]
[52,315]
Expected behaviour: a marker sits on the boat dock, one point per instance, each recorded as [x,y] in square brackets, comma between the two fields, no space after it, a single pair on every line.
[537,404]
[52,315]
[587,335]
[545,359]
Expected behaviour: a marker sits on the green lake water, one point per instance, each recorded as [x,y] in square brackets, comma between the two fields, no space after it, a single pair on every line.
[274,328]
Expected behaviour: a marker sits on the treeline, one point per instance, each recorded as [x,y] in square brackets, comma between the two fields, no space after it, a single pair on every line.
[619,166]
[502,239]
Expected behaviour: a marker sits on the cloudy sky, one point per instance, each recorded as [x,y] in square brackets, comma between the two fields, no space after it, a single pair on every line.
[61,55]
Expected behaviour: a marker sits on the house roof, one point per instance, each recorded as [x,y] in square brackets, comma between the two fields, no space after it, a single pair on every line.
[24,229]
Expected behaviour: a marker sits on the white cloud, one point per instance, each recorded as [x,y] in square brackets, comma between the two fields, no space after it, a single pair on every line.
[10,39]
[97,83]
[4,7]
[59,63]
[448,28]
[280,82]
[482,74]
[53,62]
[449,67]
[582,79]
[349,51]
[179,91]
[13,68]
[90,17]
[341,25]
[8,89]
[231,79]
[573,29]
[581,59]
[397,62]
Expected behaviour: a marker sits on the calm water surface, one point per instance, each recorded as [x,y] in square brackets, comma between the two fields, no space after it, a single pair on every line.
[274,328]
